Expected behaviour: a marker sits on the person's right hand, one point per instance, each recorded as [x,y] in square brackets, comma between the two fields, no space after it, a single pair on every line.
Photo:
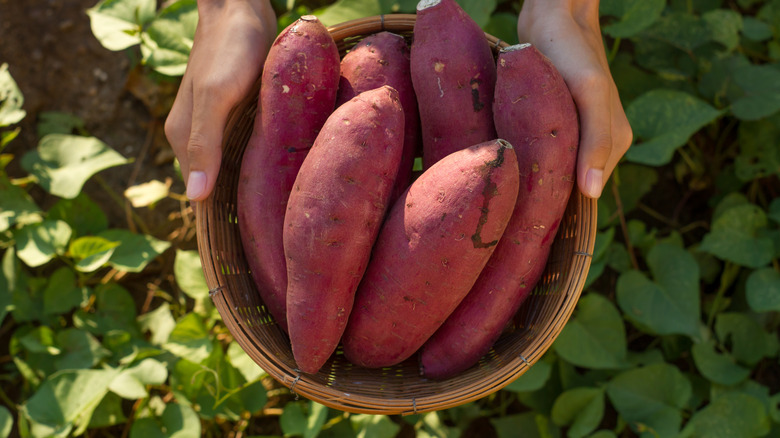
[231,42]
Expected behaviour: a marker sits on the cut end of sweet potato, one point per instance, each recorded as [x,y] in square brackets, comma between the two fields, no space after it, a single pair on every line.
[425,4]
[309,18]
[515,47]
[504,144]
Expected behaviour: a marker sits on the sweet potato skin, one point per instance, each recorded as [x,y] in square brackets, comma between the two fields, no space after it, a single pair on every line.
[534,110]
[297,94]
[333,217]
[436,239]
[383,59]
[454,73]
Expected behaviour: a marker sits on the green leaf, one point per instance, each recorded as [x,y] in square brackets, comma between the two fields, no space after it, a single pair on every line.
[190,339]
[67,399]
[345,10]
[533,379]
[668,305]
[40,340]
[167,40]
[82,214]
[374,426]
[734,415]
[37,244]
[62,294]
[108,413]
[653,396]
[148,193]
[595,337]
[763,290]
[761,84]
[635,16]
[528,425]
[749,342]
[177,421]
[11,99]
[317,415]
[189,274]
[774,210]
[758,155]
[131,383]
[243,363]
[479,10]
[117,24]
[684,31]
[717,367]
[159,322]
[63,163]
[6,422]
[580,408]
[755,29]
[114,310]
[665,120]
[725,25]
[737,236]
[79,350]
[9,268]
[16,206]
[91,252]
[135,251]
[56,122]
[502,25]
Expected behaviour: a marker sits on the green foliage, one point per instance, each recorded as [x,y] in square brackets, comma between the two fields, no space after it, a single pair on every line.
[110,331]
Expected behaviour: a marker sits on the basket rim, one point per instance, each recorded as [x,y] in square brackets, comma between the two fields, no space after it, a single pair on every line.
[312,388]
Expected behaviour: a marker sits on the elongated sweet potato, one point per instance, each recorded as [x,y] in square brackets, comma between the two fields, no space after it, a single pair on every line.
[297,94]
[333,217]
[383,59]
[534,110]
[435,241]
[454,73]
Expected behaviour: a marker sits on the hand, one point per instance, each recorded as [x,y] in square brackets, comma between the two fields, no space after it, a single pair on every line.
[231,42]
[568,32]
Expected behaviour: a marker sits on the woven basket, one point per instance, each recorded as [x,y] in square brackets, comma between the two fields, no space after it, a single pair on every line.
[399,389]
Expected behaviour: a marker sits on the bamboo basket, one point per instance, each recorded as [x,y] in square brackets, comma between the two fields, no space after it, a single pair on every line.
[399,389]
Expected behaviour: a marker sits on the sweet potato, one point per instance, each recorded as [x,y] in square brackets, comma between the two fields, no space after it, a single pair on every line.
[297,94]
[534,110]
[333,217]
[435,241]
[383,59]
[454,73]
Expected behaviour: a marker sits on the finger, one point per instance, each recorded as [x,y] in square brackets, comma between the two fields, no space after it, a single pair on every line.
[592,94]
[622,134]
[178,124]
[204,146]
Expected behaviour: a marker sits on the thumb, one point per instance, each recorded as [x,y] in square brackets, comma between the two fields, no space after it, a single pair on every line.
[595,111]
[204,147]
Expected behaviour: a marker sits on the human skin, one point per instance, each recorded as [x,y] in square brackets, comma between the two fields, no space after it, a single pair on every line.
[233,37]
[231,42]
[569,34]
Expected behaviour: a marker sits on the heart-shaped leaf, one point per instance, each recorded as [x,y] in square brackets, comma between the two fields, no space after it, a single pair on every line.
[11,99]
[63,163]
[581,409]
[716,366]
[668,305]
[117,24]
[169,36]
[738,236]
[652,396]
[729,416]
[634,16]
[36,244]
[664,120]
[763,290]
[135,251]
[749,342]
[595,337]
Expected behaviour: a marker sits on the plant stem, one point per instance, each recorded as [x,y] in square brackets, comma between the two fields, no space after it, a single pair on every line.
[624,227]
[730,271]
[614,51]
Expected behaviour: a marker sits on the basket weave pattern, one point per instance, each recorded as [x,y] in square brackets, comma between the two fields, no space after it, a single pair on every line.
[393,390]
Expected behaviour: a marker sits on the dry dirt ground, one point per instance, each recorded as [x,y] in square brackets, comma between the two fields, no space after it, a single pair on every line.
[60,66]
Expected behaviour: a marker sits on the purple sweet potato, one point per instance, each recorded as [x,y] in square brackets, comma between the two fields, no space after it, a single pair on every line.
[454,74]
[377,60]
[297,94]
[435,241]
[535,112]
[333,217]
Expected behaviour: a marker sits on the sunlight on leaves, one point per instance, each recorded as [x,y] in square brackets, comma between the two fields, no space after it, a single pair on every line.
[11,99]
[117,24]
[63,163]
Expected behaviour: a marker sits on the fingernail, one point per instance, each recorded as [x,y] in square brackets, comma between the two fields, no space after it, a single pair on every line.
[196,184]
[594,182]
